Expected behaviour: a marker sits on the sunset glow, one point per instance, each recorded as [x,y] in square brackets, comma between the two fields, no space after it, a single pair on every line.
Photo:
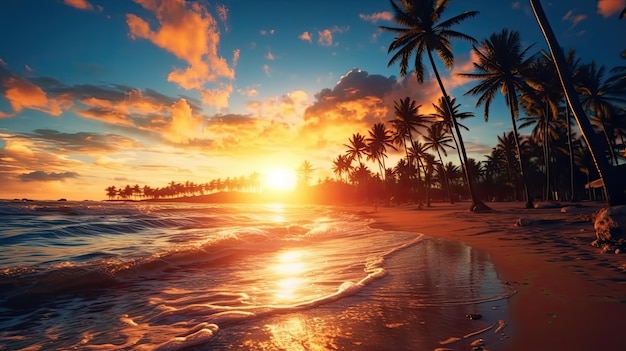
[280,179]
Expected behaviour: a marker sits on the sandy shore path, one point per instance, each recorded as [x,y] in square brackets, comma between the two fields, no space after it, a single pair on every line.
[570,296]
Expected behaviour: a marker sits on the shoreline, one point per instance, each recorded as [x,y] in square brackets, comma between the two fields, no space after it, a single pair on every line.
[569,295]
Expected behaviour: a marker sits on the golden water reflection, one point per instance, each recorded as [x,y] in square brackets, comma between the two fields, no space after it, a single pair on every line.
[288,271]
[277,210]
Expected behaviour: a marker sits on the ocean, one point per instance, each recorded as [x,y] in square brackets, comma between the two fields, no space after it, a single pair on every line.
[178,276]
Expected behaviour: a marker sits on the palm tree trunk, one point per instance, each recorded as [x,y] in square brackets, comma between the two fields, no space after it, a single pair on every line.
[529,201]
[477,204]
[570,147]
[609,142]
[445,177]
[613,191]
[546,153]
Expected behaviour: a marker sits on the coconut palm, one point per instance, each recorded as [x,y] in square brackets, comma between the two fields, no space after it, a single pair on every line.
[445,115]
[356,147]
[379,139]
[342,165]
[439,141]
[613,190]
[541,104]
[599,96]
[407,121]
[422,31]
[417,152]
[509,157]
[305,173]
[502,65]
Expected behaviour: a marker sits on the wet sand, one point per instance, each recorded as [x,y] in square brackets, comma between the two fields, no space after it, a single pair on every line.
[569,295]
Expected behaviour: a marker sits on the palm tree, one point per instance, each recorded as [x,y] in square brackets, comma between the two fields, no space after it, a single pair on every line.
[422,31]
[502,65]
[305,172]
[379,139]
[437,140]
[407,121]
[445,115]
[509,157]
[356,147]
[598,95]
[541,104]
[342,165]
[613,190]
[111,192]
[417,152]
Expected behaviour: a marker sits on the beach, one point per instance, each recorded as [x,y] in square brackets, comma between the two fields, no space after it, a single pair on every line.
[182,276]
[569,296]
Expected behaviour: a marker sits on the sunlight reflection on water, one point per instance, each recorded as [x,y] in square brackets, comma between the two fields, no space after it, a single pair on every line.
[288,272]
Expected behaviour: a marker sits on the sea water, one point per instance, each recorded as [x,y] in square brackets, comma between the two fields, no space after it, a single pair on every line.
[170,276]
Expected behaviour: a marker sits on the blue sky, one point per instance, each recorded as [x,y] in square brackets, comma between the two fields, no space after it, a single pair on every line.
[100,93]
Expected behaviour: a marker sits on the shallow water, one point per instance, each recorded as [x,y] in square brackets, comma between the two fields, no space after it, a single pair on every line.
[145,276]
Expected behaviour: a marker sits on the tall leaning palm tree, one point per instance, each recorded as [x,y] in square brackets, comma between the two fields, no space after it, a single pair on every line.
[422,31]
[502,64]
[613,191]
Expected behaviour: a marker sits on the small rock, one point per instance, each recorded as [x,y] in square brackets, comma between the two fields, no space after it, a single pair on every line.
[474,316]
[524,222]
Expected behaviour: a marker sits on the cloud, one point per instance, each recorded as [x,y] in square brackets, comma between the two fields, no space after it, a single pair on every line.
[79,4]
[222,13]
[41,176]
[140,111]
[191,34]
[356,102]
[377,16]
[269,56]
[82,142]
[249,91]
[23,94]
[515,5]
[184,125]
[267,70]
[575,19]
[608,8]
[217,96]
[325,37]
[306,36]
[267,31]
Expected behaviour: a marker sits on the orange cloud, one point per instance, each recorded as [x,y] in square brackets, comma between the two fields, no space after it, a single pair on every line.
[191,34]
[218,96]
[287,108]
[306,36]
[610,7]
[325,37]
[79,4]
[377,16]
[183,126]
[23,94]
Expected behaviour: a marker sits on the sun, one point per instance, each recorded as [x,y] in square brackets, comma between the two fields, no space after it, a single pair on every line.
[281,179]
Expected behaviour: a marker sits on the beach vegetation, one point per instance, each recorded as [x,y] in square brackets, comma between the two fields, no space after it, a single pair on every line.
[421,31]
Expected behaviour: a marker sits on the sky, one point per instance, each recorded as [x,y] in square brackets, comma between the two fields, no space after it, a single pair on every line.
[98,93]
